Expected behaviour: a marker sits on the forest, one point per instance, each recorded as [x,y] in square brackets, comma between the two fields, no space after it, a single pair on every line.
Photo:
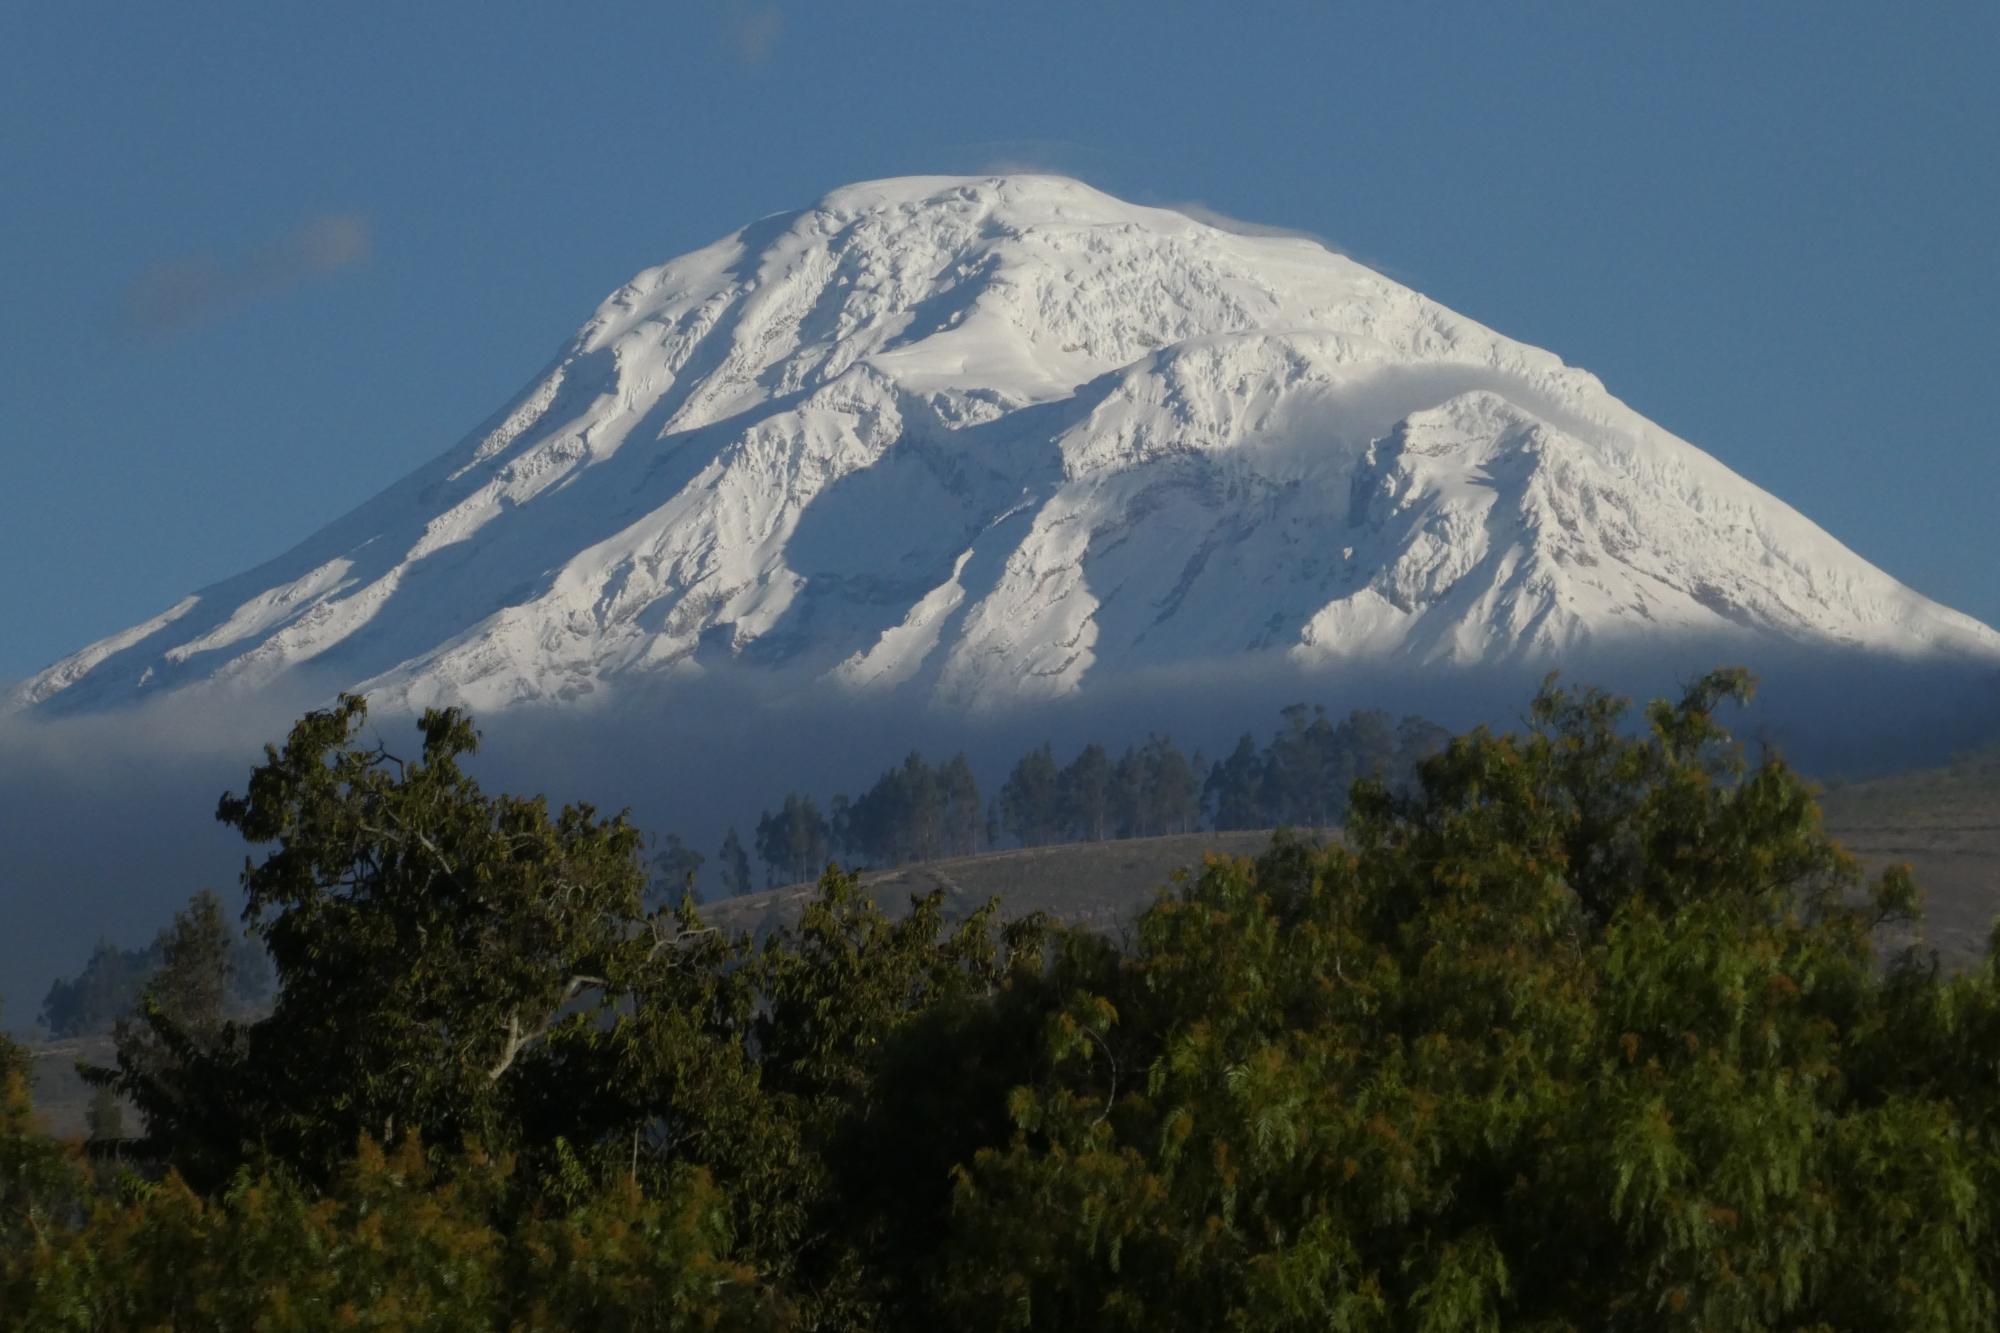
[918,811]
[1587,1025]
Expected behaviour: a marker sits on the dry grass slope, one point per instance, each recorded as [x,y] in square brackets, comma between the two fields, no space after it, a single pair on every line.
[1945,822]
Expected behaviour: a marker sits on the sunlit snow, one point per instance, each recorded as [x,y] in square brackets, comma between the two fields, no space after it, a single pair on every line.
[1001,438]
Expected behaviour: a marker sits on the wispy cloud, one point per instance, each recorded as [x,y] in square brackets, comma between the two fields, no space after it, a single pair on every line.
[194,290]
[751,30]
[1029,156]
[1221,221]
[1202,213]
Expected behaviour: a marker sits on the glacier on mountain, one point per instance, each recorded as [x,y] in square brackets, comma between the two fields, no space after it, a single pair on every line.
[996,440]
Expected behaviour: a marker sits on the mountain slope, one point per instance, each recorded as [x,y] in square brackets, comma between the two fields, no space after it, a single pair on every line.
[996,439]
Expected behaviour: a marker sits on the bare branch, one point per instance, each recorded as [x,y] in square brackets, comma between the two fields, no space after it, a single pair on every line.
[518,1041]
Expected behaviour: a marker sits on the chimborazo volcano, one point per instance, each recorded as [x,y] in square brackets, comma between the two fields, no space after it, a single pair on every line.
[1006,439]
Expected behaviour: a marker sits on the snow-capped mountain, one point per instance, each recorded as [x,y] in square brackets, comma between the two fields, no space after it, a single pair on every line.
[1005,438]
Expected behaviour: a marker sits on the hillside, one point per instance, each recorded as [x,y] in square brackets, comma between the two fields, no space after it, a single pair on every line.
[1093,884]
[1944,822]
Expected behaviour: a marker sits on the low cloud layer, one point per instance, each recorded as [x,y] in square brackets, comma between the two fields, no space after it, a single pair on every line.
[107,823]
[194,290]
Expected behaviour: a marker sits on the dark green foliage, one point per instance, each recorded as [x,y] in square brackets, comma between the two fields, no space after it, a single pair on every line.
[678,864]
[1582,1028]
[13,1057]
[733,865]
[168,1050]
[914,813]
[919,812]
[1234,791]
[430,943]
[105,1120]
[1586,1032]
[1085,795]
[108,989]
[795,841]
[1303,777]
[389,1244]
[958,789]
[901,818]
[197,956]
[1031,799]
[113,983]
[43,1190]
[1154,791]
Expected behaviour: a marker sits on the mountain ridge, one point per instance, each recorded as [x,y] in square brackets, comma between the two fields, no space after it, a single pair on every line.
[996,439]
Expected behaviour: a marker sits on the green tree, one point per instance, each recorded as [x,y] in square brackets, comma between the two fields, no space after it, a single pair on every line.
[1175,790]
[105,1120]
[678,865]
[909,814]
[958,791]
[1583,1028]
[1031,799]
[164,1050]
[1305,779]
[1085,794]
[431,942]
[793,841]
[734,865]
[1234,790]
[42,1185]
[1131,800]
[1586,1031]
[108,989]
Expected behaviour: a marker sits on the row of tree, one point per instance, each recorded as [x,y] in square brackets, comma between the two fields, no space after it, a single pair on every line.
[918,811]
[114,982]
[1585,1029]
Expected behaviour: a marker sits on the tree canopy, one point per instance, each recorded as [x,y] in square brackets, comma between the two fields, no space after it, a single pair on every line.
[1587,1026]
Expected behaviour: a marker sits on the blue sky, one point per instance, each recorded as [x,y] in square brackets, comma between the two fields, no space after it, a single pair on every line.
[257,262]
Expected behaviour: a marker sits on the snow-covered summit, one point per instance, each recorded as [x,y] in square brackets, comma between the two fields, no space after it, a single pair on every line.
[1002,438]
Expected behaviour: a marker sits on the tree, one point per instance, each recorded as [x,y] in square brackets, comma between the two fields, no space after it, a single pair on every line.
[41,1183]
[793,841]
[108,989]
[1417,739]
[1583,1032]
[114,982]
[1303,779]
[1583,1027]
[105,1119]
[1175,789]
[197,961]
[735,865]
[678,865]
[840,823]
[903,817]
[182,1023]
[1031,799]
[958,791]
[431,942]
[1131,809]
[1234,791]
[922,800]
[392,1241]
[1365,743]
[1154,791]
[14,1061]
[1085,788]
